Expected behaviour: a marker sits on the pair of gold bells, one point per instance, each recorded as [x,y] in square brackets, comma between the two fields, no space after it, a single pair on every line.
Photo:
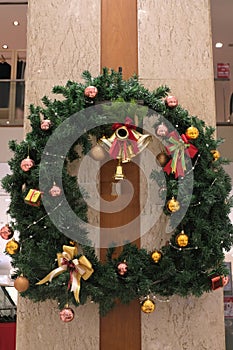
[124,144]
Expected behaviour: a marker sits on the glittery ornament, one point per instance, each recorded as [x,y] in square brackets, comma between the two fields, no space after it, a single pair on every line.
[55,191]
[45,124]
[122,268]
[6,232]
[192,133]
[67,314]
[182,239]
[12,247]
[161,130]
[148,306]
[216,154]
[173,205]
[91,92]
[171,101]
[27,164]
[156,256]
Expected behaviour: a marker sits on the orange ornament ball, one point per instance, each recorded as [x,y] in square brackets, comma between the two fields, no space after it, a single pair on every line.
[21,284]
[192,133]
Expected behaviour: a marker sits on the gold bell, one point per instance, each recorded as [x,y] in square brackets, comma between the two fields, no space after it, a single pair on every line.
[119,172]
[121,134]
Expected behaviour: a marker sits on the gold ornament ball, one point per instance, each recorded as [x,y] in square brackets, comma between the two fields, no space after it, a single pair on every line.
[21,284]
[12,247]
[162,159]
[192,132]
[156,256]
[216,154]
[97,153]
[173,205]
[148,306]
[182,239]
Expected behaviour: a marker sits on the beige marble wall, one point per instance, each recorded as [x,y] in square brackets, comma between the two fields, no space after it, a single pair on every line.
[63,40]
[175,50]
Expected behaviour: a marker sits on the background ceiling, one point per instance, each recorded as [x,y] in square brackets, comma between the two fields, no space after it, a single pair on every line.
[15,37]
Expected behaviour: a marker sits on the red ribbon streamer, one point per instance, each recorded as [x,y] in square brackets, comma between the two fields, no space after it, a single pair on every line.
[71,268]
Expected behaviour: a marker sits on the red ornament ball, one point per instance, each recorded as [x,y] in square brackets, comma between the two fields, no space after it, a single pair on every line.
[122,268]
[45,124]
[91,92]
[27,164]
[162,130]
[21,284]
[67,314]
[6,232]
[171,101]
[55,191]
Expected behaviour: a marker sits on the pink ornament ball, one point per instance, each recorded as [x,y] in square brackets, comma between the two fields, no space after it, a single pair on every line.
[66,315]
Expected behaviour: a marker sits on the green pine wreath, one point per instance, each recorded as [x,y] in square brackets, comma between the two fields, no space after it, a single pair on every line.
[179,270]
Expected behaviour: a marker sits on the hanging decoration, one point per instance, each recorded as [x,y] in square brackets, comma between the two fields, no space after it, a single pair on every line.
[179,148]
[6,232]
[21,284]
[77,267]
[27,164]
[148,304]
[33,198]
[66,314]
[45,124]
[12,247]
[124,144]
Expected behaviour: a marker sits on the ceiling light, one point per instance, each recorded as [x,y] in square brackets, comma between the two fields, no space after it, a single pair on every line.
[5,46]
[218,45]
[16,23]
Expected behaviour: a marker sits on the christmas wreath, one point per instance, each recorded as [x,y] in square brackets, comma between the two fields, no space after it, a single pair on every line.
[51,264]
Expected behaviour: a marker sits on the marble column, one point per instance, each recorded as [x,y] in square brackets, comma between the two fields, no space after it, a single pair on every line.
[63,40]
[175,49]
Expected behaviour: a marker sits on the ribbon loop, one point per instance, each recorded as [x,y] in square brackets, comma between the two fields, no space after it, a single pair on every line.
[178,148]
[78,268]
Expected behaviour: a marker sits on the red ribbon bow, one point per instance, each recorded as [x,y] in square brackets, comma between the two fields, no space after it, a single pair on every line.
[178,148]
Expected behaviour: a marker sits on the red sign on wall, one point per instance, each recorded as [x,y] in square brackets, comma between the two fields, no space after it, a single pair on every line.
[223,70]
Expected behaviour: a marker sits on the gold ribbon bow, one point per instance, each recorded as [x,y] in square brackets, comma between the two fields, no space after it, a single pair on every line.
[78,268]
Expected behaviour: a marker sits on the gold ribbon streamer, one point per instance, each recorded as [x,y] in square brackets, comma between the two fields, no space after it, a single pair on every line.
[81,268]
